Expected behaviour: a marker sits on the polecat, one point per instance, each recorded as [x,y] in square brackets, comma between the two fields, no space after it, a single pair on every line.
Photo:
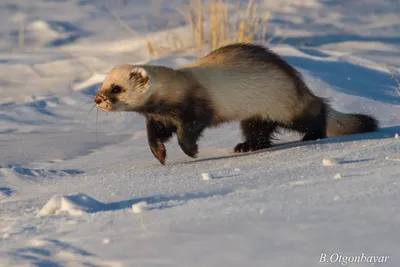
[238,82]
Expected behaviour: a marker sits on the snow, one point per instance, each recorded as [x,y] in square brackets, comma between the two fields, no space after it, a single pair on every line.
[206,176]
[139,207]
[330,162]
[106,241]
[337,176]
[70,179]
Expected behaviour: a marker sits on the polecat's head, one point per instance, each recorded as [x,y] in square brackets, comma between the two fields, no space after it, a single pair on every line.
[124,89]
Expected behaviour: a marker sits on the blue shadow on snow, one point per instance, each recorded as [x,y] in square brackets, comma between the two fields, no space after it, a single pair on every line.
[350,78]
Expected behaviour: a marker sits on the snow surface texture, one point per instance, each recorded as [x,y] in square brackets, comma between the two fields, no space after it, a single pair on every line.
[277,207]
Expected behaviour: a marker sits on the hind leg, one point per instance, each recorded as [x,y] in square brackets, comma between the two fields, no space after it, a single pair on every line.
[315,127]
[257,134]
[312,122]
[314,133]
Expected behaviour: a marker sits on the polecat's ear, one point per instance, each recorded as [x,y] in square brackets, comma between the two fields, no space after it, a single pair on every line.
[139,75]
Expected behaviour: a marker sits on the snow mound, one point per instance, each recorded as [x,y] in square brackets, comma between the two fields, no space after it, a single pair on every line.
[330,162]
[207,176]
[44,29]
[74,204]
[53,33]
[337,176]
[139,207]
[94,80]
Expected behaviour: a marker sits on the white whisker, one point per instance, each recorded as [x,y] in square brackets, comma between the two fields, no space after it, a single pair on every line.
[90,112]
[97,126]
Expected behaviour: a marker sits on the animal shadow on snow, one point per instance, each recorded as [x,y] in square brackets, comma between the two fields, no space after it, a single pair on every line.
[383,133]
[162,202]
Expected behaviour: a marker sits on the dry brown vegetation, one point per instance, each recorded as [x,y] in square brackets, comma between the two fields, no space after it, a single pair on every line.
[396,80]
[214,23]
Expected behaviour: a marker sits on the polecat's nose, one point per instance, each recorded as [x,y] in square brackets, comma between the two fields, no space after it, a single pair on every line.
[98,99]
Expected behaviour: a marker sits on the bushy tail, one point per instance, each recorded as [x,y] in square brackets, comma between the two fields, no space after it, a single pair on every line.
[341,124]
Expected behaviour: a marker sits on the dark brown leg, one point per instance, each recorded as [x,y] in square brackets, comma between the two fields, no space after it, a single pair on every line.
[188,134]
[157,135]
[312,123]
[257,134]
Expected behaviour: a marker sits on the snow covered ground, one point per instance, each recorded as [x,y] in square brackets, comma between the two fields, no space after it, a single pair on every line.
[278,207]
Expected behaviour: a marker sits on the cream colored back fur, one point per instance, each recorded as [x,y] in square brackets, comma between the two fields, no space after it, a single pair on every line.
[241,87]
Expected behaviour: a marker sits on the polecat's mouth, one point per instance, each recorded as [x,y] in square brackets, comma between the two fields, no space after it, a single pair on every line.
[103,103]
[106,109]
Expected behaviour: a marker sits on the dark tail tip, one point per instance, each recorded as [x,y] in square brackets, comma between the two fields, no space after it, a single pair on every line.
[339,124]
[365,123]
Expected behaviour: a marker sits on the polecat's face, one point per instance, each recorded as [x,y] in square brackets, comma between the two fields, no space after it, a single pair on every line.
[123,89]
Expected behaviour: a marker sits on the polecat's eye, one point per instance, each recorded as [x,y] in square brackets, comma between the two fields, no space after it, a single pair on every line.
[116,89]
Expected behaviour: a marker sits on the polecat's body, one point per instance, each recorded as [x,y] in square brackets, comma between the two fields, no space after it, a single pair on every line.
[239,82]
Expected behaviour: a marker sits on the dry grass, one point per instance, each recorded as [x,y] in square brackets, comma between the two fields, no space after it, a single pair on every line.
[396,80]
[213,24]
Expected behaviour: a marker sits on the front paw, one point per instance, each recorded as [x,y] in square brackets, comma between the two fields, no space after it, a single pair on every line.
[190,149]
[159,153]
